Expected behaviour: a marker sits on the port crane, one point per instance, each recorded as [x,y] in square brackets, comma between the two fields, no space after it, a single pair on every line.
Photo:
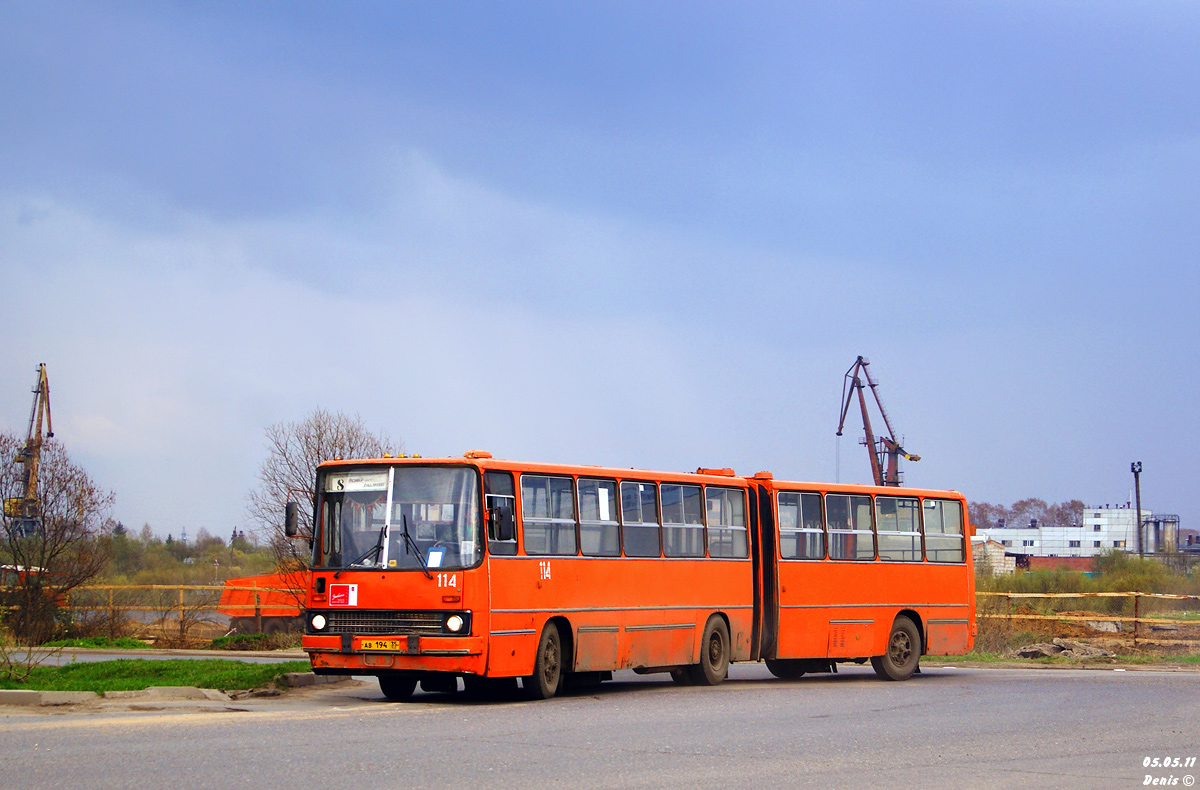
[24,510]
[885,451]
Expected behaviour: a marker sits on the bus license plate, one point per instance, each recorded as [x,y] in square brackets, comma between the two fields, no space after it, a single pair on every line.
[383,644]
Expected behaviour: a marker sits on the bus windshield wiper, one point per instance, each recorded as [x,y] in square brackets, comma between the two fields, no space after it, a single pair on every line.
[377,549]
[408,541]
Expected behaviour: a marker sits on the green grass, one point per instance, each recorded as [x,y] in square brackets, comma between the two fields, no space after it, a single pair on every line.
[256,642]
[121,643]
[1188,615]
[130,674]
[241,642]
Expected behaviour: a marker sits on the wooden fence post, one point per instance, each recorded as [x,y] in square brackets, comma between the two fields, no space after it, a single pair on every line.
[1137,600]
[112,616]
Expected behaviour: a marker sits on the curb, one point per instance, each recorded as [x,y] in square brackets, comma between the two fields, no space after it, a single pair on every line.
[169,693]
[24,697]
[40,698]
[298,679]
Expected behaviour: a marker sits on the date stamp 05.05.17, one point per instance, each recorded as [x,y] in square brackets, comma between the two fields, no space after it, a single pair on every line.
[1165,767]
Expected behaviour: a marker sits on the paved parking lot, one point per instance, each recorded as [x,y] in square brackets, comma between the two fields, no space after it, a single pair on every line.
[947,728]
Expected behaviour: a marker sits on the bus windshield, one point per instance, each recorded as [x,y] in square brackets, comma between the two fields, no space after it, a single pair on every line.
[433,519]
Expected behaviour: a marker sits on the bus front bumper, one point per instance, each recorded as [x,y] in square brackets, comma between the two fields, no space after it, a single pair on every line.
[349,654]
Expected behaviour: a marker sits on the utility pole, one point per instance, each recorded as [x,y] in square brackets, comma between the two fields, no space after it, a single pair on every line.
[1136,468]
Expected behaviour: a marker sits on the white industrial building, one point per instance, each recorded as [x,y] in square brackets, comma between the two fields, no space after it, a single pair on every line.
[1103,529]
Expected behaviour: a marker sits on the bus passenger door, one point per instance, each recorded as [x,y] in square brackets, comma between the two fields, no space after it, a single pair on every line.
[500,494]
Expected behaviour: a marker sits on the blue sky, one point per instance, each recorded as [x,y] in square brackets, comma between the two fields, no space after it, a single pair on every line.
[640,234]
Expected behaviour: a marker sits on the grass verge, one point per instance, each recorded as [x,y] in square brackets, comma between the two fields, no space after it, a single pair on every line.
[999,658]
[131,674]
[101,642]
[256,642]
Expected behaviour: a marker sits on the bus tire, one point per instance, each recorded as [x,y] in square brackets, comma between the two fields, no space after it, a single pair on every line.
[714,654]
[547,667]
[903,652]
[682,676]
[787,668]
[397,688]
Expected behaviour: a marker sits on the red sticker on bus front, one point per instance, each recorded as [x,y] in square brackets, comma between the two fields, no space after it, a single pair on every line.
[343,595]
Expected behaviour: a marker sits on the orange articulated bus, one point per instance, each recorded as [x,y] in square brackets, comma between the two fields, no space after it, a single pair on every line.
[268,603]
[428,570]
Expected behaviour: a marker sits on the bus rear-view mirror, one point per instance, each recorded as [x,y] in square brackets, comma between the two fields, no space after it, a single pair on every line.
[500,522]
[291,519]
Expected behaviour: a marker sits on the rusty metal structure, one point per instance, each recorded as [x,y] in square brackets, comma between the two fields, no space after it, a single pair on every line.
[885,451]
[24,510]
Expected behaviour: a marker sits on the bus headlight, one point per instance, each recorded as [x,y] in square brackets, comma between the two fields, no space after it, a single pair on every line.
[317,622]
[454,623]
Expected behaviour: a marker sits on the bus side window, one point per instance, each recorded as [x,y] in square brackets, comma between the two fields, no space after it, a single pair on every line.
[683,520]
[639,514]
[800,533]
[499,492]
[943,530]
[726,509]
[599,530]
[548,515]
[899,528]
[848,517]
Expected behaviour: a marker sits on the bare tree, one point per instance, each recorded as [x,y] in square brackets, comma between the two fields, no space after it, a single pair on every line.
[68,549]
[288,474]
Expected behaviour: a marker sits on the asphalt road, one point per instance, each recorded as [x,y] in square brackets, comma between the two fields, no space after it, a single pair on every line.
[948,728]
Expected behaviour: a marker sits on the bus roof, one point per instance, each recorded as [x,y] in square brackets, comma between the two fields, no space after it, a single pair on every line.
[712,476]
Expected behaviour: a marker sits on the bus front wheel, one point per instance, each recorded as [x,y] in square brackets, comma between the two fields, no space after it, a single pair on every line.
[547,667]
[714,654]
[903,652]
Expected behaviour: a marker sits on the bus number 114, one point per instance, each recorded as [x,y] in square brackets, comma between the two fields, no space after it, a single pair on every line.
[447,580]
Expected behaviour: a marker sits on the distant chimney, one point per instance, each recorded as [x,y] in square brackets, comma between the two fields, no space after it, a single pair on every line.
[1033,523]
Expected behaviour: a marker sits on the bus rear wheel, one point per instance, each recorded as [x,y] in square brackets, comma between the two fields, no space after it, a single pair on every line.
[547,667]
[903,652]
[787,668]
[397,688]
[714,654]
